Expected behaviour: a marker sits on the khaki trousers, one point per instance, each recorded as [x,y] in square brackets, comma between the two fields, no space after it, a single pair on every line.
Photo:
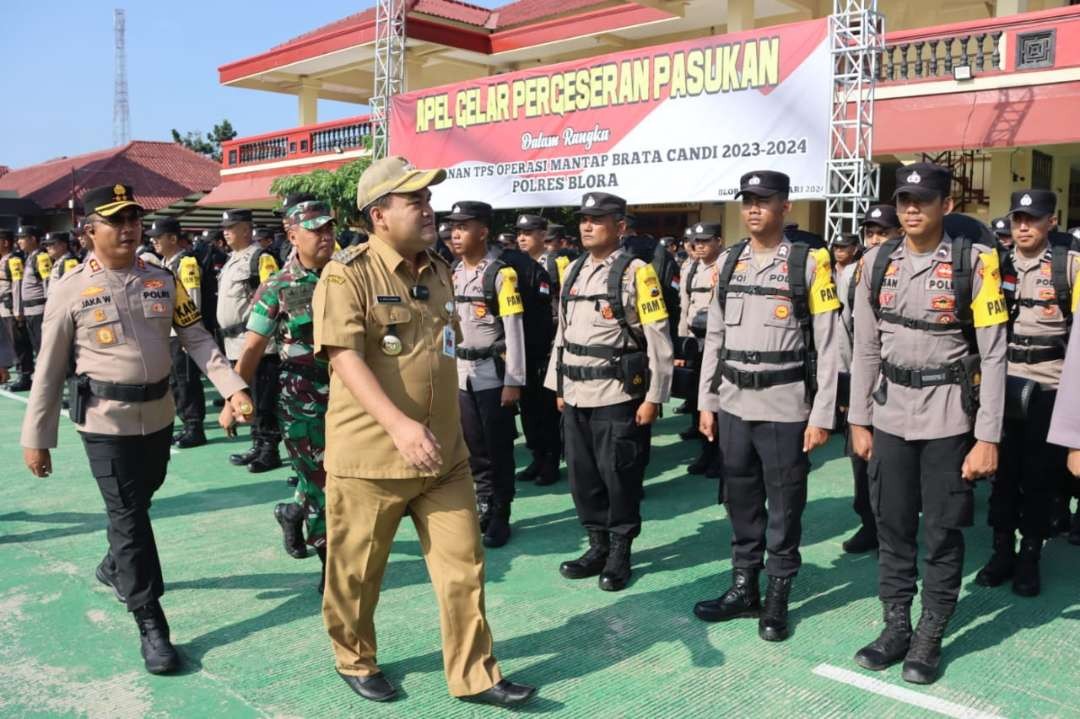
[362,516]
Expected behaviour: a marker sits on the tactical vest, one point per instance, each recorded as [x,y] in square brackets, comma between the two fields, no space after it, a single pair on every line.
[1038,348]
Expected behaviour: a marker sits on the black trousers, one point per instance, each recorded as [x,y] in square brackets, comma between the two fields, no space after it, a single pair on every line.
[860,475]
[489,434]
[185,380]
[904,477]
[20,342]
[128,470]
[765,473]
[1022,494]
[33,331]
[265,427]
[539,413]
[606,455]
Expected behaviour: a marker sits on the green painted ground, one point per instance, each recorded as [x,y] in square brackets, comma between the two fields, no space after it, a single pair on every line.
[246,617]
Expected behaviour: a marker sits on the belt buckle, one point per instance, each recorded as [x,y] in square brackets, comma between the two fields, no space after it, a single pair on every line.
[914,379]
[753,357]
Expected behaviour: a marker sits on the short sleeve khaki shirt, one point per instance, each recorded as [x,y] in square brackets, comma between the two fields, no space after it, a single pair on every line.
[364,301]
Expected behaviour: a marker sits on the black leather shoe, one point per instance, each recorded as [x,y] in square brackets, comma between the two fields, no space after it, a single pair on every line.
[704,461]
[616,573]
[1002,561]
[892,644]
[530,473]
[104,576]
[864,540]
[1026,581]
[773,624]
[498,530]
[377,687]
[591,562]
[159,655]
[503,694]
[242,458]
[549,472]
[191,437]
[691,433]
[683,408]
[291,519]
[924,657]
[21,385]
[266,459]
[743,599]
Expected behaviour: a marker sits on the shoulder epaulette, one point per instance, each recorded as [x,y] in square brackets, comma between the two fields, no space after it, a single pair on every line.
[350,253]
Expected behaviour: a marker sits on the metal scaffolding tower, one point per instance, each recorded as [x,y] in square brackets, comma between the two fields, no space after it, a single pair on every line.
[389,68]
[121,111]
[857,38]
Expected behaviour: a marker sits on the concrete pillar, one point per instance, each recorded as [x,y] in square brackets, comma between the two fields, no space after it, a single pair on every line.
[1006,164]
[1009,7]
[308,102]
[1059,183]
[740,15]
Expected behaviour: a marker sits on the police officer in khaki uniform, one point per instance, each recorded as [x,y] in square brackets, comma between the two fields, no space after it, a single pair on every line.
[1002,227]
[490,362]
[928,376]
[11,269]
[29,294]
[248,266]
[58,246]
[611,368]
[1039,282]
[185,379]
[699,274]
[384,317]
[769,373]
[111,317]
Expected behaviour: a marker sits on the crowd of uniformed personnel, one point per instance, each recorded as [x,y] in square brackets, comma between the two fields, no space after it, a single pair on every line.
[393,367]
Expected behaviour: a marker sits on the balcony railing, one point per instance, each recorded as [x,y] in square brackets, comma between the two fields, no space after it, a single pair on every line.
[328,138]
[937,57]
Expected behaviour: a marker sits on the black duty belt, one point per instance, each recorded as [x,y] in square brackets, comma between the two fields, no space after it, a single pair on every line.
[750,379]
[754,357]
[234,330]
[915,324]
[700,289]
[1034,355]
[924,376]
[475,354]
[129,392]
[577,373]
[312,373]
[595,351]
[33,303]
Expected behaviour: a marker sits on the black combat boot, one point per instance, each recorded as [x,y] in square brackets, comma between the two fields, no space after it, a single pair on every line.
[291,518]
[322,558]
[548,473]
[773,624]
[1026,582]
[483,512]
[592,561]
[616,573]
[105,574]
[192,436]
[244,458]
[265,459]
[743,599]
[683,408]
[892,644]
[924,655]
[498,529]
[20,385]
[1002,562]
[864,540]
[704,461]
[530,473]
[159,655]
[691,432]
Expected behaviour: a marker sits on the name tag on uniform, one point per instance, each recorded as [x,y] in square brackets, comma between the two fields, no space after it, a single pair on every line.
[388,299]
[449,342]
[298,298]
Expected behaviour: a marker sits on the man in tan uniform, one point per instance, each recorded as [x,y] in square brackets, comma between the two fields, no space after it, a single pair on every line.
[29,292]
[111,316]
[611,369]
[11,269]
[383,315]
[58,245]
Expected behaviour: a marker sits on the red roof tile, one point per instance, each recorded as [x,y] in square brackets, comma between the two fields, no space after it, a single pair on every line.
[160,173]
[525,11]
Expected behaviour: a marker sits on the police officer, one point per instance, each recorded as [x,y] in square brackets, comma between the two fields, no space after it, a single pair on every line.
[490,361]
[248,266]
[185,380]
[110,318]
[442,246]
[1065,424]
[880,224]
[1002,227]
[29,296]
[282,313]
[928,376]
[769,373]
[58,246]
[539,414]
[11,272]
[846,251]
[698,280]
[611,369]
[687,407]
[1041,292]
[384,317]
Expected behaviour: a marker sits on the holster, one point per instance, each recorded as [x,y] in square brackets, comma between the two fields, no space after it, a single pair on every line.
[811,377]
[78,397]
[971,379]
[1019,393]
[7,302]
[699,324]
[634,370]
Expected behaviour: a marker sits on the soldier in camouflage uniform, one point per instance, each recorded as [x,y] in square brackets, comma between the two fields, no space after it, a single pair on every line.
[281,312]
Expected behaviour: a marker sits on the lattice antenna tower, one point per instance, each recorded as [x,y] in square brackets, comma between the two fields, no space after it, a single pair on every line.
[389,68]
[121,110]
[857,38]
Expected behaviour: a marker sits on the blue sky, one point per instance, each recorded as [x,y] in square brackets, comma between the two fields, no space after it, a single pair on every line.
[57,78]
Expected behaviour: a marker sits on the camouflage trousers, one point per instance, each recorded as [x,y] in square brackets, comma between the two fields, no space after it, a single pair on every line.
[302,413]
